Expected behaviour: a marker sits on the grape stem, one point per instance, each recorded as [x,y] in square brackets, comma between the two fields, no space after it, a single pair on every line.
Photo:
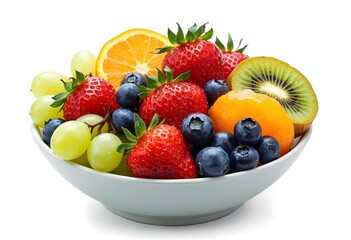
[101,123]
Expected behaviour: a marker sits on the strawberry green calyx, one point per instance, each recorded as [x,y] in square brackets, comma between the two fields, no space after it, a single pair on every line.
[193,33]
[153,82]
[69,87]
[230,45]
[140,130]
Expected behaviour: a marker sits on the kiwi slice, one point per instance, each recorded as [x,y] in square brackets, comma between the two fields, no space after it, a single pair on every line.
[281,81]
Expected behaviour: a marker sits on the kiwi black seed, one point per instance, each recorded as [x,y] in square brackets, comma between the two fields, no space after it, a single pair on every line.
[281,81]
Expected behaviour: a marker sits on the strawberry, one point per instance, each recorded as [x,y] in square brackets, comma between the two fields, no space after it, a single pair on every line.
[231,58]
[158,151]
[173,99]
[86,95]
[194,53]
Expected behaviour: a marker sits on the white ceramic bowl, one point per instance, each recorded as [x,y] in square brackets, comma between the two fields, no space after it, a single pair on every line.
[172,202]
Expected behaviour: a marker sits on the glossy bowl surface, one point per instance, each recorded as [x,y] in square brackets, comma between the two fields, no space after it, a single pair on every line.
[172,202]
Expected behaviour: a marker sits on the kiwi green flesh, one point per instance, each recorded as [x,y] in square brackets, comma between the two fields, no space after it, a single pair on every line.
[279,80]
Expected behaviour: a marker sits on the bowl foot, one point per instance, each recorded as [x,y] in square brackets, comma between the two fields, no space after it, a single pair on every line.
[172,221]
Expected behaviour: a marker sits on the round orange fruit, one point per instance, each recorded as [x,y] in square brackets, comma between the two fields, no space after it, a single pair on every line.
[130,51]
[238,104]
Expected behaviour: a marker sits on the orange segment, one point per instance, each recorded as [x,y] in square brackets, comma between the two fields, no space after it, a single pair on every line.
[238,104]
[130,51]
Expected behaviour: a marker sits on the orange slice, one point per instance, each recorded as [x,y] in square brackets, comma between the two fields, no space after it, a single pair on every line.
[130,51]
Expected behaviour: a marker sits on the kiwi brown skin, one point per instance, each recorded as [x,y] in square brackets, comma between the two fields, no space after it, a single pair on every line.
[301,128]
[281,81]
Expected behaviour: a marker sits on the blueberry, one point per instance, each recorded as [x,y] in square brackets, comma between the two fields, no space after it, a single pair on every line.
[128,95]
[225,140]
[268,149]
[214,89]
[197,128]
[49,128]
[248,132]
[135,78]
[212,162]
[123,117]
[244,158]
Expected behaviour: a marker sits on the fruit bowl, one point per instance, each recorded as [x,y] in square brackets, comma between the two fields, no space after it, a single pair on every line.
[172,202]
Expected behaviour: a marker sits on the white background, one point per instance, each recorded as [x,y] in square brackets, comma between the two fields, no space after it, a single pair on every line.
[312,200]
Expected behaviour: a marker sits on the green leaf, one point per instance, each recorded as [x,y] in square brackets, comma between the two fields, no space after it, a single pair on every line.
[68,85]
[75,84]
[172,37]
[144,91]
[230,44]
[144,94]
[180,35]
[183,76]
[154,122]
[240,50]
[60,99]
[200,30]
[130,136]
[190,36]
[76,81]
[152,82]
[125,148]
[207,35]
[169,74]
[220,44]
[162,122]
[59,96]
[139,125]
[163,49]
[57,103]
[160,76]
[193,28]
[80,77]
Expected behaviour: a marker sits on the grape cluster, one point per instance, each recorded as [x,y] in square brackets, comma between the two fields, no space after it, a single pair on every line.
[87,137]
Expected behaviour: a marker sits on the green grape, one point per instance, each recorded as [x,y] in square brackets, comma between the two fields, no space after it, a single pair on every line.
[70,140]
[41,111]
[48,83]
[84,62]
[123,168]
[93,119]
[102,152]
[82,160]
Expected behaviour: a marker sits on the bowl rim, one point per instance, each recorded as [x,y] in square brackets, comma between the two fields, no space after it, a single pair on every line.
[299,142]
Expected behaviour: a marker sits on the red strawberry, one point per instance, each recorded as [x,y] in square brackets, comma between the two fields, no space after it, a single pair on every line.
[158,151]
[172,99]
[193,53]
[231,58]
[91,95]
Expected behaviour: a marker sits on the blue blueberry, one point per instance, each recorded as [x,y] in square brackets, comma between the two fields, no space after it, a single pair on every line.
[128,95]
[248,132]
[135,78]
[244,158]
[212,162]
[123,117]
[197,128]
[214,89]
[268,149]
[225,140]
[49,128]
